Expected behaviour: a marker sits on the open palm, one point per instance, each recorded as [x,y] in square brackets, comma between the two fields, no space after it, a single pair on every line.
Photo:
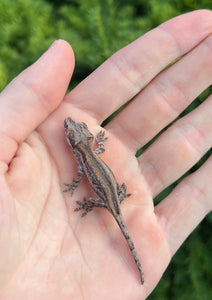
[47,251]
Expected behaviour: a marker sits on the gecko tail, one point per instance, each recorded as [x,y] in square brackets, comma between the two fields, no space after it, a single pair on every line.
[130,243]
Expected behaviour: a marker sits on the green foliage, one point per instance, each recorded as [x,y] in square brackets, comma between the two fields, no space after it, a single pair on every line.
[189,275]
[96,29]
[25,33]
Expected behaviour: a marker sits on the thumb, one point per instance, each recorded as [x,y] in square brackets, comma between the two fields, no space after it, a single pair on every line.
[33,95]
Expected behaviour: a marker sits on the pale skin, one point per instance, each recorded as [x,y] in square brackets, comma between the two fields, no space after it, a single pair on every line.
[47,251]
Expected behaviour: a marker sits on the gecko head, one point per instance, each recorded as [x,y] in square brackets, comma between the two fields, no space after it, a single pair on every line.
[77,133]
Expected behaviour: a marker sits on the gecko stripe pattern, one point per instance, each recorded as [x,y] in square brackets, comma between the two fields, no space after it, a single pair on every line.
[100,178]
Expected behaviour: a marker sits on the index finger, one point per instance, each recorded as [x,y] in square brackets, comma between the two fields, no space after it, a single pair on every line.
[125,73]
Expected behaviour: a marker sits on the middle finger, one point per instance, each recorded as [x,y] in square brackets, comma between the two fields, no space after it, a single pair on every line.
[166,96]
[178,148]
[129,70]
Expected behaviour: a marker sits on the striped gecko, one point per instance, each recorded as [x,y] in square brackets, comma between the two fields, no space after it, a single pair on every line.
[100,178]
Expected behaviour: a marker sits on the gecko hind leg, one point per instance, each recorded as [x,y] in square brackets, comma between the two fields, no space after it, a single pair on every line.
[88,205]
[97,202]
[85,206]
[122,192]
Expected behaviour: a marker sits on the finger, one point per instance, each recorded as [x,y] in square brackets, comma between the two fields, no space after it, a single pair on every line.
[186,206]
[178,148]
[165,97]
[33,95]
[123,75]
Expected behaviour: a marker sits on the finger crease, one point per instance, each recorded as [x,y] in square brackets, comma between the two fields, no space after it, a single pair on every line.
[164,93]
[129,73]
[38,96]
[193,135]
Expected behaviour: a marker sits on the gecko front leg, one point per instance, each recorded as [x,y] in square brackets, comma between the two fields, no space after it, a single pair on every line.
[76,181]
[100,139]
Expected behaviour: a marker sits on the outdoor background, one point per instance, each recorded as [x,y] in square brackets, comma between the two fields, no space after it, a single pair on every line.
[96,29]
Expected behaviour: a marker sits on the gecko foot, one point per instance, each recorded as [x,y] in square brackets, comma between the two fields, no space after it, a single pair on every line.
[122,192]
[85,206]
[71,187]
[100,138]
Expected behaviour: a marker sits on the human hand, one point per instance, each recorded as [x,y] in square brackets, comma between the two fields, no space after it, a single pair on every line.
[47,250]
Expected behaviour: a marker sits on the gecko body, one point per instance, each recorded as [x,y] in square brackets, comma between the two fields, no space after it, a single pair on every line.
[100,178]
